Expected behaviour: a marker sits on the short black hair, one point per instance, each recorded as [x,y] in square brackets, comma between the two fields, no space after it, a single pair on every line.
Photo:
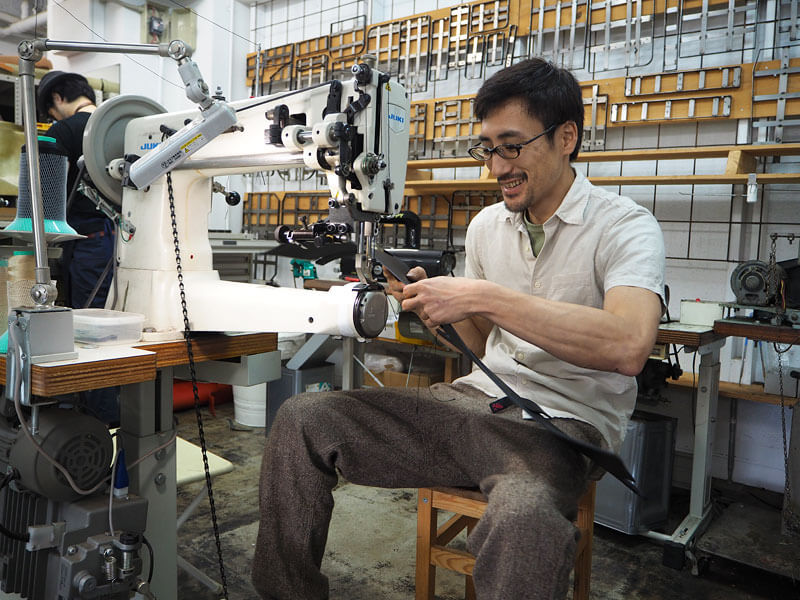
[69,86]
[549,93]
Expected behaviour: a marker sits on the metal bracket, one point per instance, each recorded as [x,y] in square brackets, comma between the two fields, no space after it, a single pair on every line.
[46,536]
[244,370]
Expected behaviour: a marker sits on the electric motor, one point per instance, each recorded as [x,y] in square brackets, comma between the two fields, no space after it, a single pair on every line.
[78,442]
[751,284]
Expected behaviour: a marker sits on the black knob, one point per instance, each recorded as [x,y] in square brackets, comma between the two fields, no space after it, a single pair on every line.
[129,538]
[233,198]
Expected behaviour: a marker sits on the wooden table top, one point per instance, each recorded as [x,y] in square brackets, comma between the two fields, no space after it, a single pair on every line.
[106,366]
[758,331]
[687,335]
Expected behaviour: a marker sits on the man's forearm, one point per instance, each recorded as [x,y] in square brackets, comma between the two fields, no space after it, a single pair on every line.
[617,338]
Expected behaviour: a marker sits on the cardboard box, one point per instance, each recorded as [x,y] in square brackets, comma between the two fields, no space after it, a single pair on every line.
[398,379]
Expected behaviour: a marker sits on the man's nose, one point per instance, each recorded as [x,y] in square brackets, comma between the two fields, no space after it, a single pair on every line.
[498,165]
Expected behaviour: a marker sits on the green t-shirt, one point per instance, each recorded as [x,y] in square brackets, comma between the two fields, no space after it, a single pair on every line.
[536,233]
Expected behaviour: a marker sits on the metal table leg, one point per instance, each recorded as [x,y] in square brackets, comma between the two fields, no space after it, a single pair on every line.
[678,545]
[146,423]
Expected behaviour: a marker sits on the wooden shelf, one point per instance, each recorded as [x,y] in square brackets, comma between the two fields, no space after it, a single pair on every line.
[753,392]
[444,186]
[741,162]
[635,155]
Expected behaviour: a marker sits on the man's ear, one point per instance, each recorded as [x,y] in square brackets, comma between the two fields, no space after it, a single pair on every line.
[567,136]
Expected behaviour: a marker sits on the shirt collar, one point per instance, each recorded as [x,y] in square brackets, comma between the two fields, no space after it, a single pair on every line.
[573,207]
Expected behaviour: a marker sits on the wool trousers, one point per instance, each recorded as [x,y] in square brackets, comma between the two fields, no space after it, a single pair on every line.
[444,435]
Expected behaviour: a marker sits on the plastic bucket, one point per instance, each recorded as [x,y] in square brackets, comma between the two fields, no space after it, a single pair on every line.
[250,405]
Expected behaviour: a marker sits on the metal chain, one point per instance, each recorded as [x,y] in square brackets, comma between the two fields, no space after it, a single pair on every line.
[772,270]
[189,351]
[773,284]
[787,488]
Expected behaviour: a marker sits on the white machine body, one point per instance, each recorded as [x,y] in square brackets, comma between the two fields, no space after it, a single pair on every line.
[368,185]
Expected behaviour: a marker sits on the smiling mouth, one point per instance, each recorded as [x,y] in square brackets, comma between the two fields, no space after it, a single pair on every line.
[509,183]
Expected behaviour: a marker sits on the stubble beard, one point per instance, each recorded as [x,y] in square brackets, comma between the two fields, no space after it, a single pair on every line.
[521,204]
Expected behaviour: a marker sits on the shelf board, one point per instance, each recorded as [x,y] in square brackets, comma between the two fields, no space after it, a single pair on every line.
[445,186]
[753,391]
[633,155]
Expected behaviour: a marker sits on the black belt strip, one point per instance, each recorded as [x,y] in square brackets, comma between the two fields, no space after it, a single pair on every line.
[608,460]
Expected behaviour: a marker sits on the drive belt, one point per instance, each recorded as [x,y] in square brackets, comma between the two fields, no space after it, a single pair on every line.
[609,461]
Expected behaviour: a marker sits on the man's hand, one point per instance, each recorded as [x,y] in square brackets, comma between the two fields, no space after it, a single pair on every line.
[423,295]
[441,300]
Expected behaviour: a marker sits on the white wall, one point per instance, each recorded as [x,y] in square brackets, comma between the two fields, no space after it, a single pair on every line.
[219,54]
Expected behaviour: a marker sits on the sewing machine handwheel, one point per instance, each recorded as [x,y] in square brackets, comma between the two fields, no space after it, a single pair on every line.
[104,138]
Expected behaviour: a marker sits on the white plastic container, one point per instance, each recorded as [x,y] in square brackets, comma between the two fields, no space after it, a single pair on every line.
[250,404]
[106,327]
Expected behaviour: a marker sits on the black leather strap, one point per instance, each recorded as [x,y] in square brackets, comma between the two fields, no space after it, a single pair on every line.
[608,460]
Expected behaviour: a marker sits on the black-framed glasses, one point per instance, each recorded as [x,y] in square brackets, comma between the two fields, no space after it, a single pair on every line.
[507,151]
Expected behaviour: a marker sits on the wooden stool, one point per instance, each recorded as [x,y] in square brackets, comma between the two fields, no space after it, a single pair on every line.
[469,506]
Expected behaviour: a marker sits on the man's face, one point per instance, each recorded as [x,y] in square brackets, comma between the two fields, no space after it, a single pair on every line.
[57,110]
[532,181]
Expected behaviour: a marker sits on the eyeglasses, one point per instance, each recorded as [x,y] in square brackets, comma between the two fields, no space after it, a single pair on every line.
[507,151]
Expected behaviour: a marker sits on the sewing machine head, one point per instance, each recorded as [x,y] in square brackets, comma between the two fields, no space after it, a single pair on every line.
[355,131]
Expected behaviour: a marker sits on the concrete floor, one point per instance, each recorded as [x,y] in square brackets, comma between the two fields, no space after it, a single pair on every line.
[370,553]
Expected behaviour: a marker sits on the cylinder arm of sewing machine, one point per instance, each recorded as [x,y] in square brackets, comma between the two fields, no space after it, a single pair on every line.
[355,131]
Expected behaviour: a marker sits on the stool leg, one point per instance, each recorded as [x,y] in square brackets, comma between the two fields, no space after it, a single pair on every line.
[583,560]
[426,533]
[469,586]
[469,589]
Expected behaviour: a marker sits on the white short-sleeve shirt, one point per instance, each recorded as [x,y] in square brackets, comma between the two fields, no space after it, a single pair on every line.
[595,241]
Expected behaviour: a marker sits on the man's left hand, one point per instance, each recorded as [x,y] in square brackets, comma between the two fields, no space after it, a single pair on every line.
[440,300]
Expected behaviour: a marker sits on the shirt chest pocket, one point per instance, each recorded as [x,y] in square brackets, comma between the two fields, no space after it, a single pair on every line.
[577,287]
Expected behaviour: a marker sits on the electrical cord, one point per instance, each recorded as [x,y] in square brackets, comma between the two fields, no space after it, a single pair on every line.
[111,492]
[111,477]
[146,542]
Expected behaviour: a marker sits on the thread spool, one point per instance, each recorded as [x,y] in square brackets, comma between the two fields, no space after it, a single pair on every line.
[21,278]
[53,170]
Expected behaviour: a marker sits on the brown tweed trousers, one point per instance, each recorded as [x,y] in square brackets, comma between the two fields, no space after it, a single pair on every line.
[399,437]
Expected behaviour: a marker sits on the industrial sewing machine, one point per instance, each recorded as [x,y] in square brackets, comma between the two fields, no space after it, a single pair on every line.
[355,131]
[153,172]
